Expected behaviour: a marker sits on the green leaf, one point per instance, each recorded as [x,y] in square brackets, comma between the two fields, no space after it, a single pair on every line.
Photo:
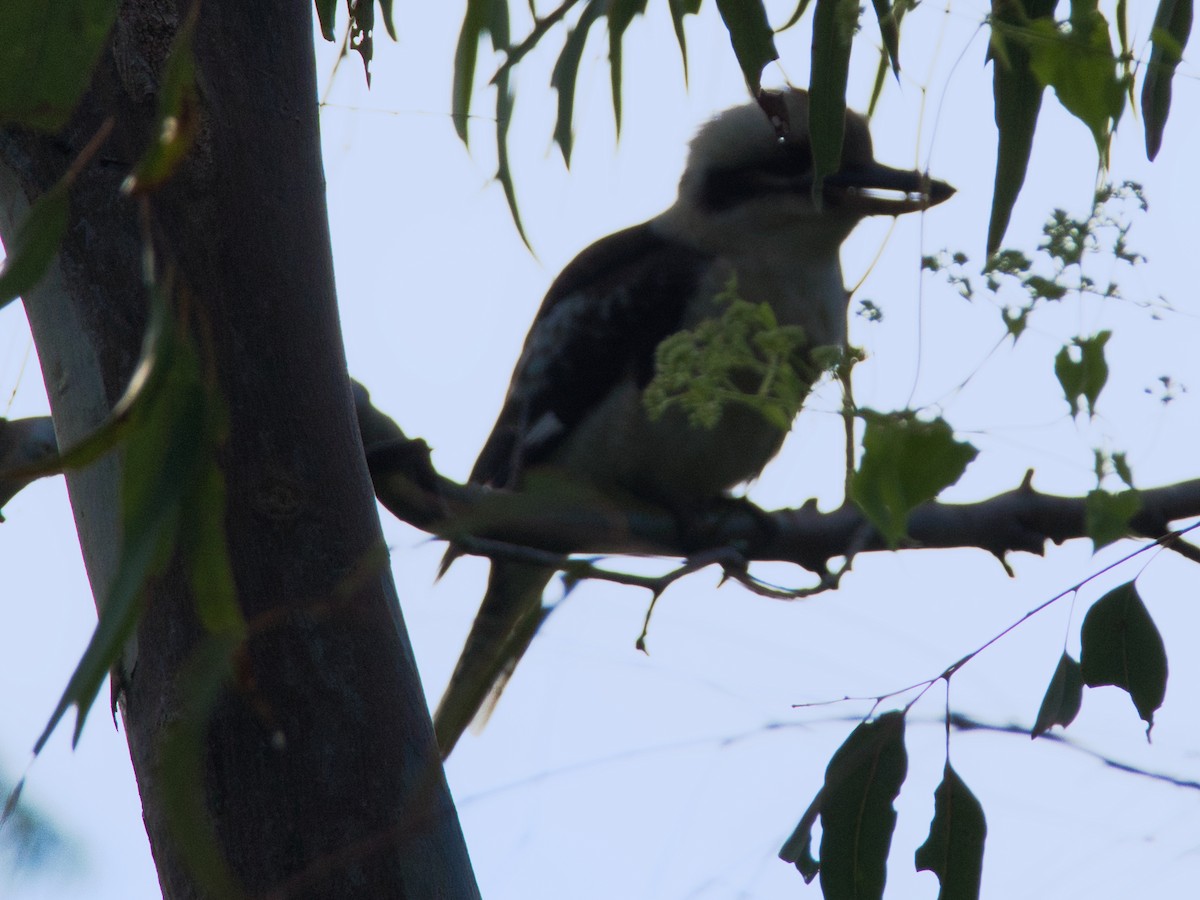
[362,32]
[144,384]
[797,849]
[834,23]
[752,38]
[679,9]
[1081,67]
[1172,26]
[504,113]
[1018,100]
[327,16]
[620,15]
[895,15]
[1085,377]
[857,817]
[47,55]
[1122,647]
[178,116]
[905,463]
[889,31]
[385,7]
[35,242]
[954,849]
[565,74]
[491,17]
[801,9]
[163,452]
[855,807]
[1063,697]
[1123,29]
[475,24]
[1107,516]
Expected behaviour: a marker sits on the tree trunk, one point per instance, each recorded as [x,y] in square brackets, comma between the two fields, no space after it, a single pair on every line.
[321,774]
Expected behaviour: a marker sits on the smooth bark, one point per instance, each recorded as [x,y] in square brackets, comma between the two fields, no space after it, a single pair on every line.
[321,774]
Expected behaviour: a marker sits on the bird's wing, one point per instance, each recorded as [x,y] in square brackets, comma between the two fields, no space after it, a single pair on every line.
[601,320]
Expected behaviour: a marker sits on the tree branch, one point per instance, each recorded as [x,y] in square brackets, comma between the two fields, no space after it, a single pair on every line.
[545,528]
[1021,519]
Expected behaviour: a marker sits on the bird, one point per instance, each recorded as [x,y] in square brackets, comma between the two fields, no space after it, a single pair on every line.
[748,218]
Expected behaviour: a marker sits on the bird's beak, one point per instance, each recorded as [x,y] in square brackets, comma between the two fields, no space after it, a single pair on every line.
[879,190]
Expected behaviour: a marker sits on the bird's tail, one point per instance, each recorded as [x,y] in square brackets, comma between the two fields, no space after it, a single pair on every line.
[508,618]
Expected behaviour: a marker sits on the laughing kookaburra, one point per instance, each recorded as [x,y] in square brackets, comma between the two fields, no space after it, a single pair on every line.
[745,217]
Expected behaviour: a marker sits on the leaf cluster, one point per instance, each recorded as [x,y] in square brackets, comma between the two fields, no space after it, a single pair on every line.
[1120,647]
[857,818]
[741,357]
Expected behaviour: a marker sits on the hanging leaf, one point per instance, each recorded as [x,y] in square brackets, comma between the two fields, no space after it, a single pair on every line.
[565,74]
[954,849]
[1172,26]
[1122,647]
[679,9]
[33,246]
[797,849]
[857,817]
[1017,95]
[905,463]
[752,38]
[385,7]
[887,60]
[178,117]
[327,16]
[1083,377]
[1080,65]
[505,100]
[49,52]
[475,24]
[1063,697]
[163,449]
[796,16]
[855,807]
[889,31]
[620,15]
[834,24]
[362,32]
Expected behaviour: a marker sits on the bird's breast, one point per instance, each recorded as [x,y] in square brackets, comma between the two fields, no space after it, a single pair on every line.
[667,459]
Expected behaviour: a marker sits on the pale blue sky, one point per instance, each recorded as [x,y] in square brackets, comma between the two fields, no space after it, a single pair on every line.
[606,773]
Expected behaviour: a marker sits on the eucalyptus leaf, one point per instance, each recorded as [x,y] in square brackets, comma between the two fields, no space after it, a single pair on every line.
[862,782]
[49,52]
[1122,647]
[905,462]
[751,35]
[1063,697]
[954,849]
[1172,27]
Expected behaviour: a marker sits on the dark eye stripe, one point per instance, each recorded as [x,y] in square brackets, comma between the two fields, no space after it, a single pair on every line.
[790,169]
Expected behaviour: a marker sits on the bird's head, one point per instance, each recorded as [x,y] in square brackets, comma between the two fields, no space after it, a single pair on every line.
[744,181]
